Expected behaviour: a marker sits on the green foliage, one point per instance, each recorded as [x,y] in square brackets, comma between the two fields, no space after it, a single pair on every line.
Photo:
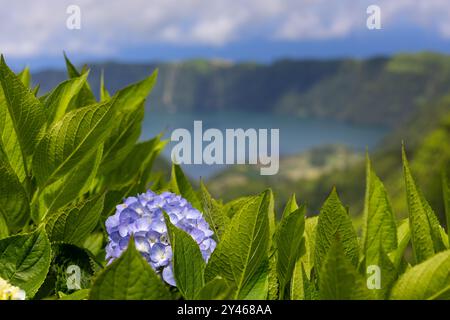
[188,263]
[428,280]
[289,238]
[334,220]
[129,278]
[241,256]
[25,260]
[426,236]
[339,279]
[67,160]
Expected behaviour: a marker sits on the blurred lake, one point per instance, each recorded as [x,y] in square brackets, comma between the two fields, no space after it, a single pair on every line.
[296,134]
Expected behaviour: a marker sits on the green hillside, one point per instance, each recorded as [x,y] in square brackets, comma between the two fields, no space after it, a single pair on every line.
[374,91]
[427,141]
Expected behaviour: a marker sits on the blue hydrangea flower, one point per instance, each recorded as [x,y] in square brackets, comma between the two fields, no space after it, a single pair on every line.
[142,217]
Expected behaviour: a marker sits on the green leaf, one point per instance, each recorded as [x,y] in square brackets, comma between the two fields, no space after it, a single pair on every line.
[71,186]
[71,140]
[258,286]
[232,207]
[25,260]
[14,202]
[379,226]
[104,94]
[241,255]
[310,243]
[213,212]
[21,120]
[4,232]
[403,236]
[289,239]
[181,185]
[94,243]
[216,289]
[57,102]
[188,263]
[339,279]
[25,77]
[273,283]
[82,294]
[74,224]
[446,196]
[127,128]
[291,206]
[120,143]
[424,225]
[62,272]
[85,96]
[136,166]
[427,280]
[334,219]
[129,277]
[301,287]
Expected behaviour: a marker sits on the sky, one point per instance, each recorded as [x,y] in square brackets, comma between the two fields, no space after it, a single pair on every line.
[36,33]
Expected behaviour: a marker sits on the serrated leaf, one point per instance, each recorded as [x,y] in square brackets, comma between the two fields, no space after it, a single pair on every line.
[300,288]
[243,250]
[127,128]
[291,206]
[188,263]
[290,243]
[14,202]
[71,186]
[136,166]
[213,212]
[180,184]
[403,236]
[25,77]
[121,141]
[334,219]
[258,285]
[232,207]
[57,102]
[21,120]
[216,289]
[427,280]
[379,226]
[24,260]
[273,286]
[74,224]
[310,243]
[425,229]
[339,279]
[85,96]
[129,277]
[71,140]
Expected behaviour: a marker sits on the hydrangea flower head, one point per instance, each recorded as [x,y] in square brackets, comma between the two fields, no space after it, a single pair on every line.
[142,217]
[10,292]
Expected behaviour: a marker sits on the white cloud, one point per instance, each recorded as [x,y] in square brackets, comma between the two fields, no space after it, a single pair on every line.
[30,27]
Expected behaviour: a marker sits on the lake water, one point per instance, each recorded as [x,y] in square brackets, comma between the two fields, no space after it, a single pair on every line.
[296,135]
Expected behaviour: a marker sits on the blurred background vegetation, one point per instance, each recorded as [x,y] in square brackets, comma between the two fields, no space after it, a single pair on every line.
[408,94]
